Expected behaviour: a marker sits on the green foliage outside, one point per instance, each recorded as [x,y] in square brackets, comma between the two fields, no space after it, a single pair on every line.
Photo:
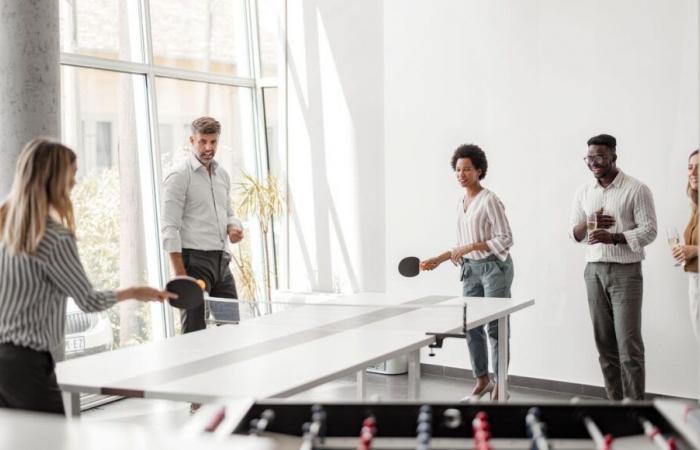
[96,203]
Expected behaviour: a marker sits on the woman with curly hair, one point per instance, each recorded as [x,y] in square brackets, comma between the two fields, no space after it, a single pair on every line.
[483,247]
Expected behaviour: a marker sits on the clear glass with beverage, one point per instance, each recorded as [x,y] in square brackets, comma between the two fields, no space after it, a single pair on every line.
[592,222]
[674,240]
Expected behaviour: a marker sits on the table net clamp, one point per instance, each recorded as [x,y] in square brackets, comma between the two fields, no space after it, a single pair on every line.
[440,337]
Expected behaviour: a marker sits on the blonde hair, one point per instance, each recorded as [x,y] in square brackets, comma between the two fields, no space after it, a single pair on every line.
[692,193]
[41,188]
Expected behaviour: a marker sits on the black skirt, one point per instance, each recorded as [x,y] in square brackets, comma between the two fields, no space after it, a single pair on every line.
[28,380]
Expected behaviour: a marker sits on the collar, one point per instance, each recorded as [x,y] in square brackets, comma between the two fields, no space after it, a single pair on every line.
[196,165]
[616,182]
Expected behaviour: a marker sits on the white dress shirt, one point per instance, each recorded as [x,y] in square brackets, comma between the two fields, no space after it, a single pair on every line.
[196,207]
[631,204]
[484,221]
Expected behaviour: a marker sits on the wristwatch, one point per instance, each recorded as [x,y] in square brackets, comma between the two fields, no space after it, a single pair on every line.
[616,238]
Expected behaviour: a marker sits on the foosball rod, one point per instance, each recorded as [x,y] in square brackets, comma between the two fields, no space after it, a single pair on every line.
[367,433]
[537,430]
[314,430]
[653,432]
[601,442]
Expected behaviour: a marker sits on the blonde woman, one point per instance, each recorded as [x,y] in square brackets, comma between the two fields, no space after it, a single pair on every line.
[688,253]
[39,268]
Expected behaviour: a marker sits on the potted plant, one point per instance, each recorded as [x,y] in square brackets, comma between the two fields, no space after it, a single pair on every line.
[263,200]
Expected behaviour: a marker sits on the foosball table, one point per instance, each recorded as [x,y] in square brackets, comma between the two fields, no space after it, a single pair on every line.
[665,425]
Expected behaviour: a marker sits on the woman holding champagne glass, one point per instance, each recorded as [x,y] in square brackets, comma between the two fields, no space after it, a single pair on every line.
[687,254]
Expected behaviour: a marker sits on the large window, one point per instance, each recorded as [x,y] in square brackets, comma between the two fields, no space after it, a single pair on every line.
[205,35]
[269,18]
[102,28]
[135,73]
[113,202]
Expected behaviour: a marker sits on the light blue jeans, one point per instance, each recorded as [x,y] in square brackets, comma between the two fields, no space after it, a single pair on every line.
[488,277]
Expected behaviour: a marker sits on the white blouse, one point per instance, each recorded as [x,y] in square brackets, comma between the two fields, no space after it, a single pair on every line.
[484,221]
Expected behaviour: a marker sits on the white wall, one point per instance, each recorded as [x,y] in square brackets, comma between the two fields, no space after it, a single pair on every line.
[382,92]
[336,160]
[531,81]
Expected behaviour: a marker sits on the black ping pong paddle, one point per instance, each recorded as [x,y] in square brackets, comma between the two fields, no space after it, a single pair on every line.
[409,266]
[190,292]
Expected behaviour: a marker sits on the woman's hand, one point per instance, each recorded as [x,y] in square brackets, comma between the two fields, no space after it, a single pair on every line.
[683,253]
[430,263]
[144,294]
[458,252]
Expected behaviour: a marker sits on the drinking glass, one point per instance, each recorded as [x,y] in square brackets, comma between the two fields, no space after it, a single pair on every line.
[674,241]
[592,222]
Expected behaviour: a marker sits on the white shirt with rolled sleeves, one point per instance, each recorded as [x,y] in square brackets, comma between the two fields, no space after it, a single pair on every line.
[196,207]
[631,204]
[484,221]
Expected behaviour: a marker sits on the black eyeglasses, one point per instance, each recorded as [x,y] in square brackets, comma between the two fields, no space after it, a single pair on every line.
[599,159]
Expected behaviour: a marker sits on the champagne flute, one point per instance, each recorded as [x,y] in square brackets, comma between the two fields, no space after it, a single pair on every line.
[674,241]
[592,222]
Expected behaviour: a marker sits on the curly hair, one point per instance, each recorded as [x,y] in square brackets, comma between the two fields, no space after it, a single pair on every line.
[475,154]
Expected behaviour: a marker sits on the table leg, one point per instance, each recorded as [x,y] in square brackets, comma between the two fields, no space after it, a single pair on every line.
[361,384]
[71,403]
[503,359]
[414,374]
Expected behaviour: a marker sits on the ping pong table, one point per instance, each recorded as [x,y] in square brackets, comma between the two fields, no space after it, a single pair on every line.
[282,354]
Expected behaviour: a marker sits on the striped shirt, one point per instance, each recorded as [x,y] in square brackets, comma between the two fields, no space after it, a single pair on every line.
[197,207]
[631,204]
[34,291]
[484,221]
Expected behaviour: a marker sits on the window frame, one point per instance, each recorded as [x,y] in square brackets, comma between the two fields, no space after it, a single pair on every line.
[150,179]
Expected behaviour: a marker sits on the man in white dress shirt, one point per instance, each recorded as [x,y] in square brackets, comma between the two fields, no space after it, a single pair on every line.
[620,212]
[197,222]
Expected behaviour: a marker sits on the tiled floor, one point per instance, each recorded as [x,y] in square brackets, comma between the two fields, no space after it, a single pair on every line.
[170,415]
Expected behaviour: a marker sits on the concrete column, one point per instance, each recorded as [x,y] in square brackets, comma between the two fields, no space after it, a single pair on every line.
[29,78]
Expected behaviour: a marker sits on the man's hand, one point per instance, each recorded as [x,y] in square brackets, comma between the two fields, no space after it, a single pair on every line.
[600,237]
[604,221]
[235,234]
[177,264]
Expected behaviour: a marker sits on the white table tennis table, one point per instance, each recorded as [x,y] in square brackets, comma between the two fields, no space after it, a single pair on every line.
[282,354]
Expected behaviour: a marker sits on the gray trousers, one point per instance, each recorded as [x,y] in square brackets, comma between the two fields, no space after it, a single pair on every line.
[212,267]
[615,303]
[488,277]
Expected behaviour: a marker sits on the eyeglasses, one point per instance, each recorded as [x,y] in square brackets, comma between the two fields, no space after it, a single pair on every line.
[599,159]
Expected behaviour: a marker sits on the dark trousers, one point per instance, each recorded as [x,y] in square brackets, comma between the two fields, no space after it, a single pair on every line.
[615,303]
[28,380]
[213,268]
